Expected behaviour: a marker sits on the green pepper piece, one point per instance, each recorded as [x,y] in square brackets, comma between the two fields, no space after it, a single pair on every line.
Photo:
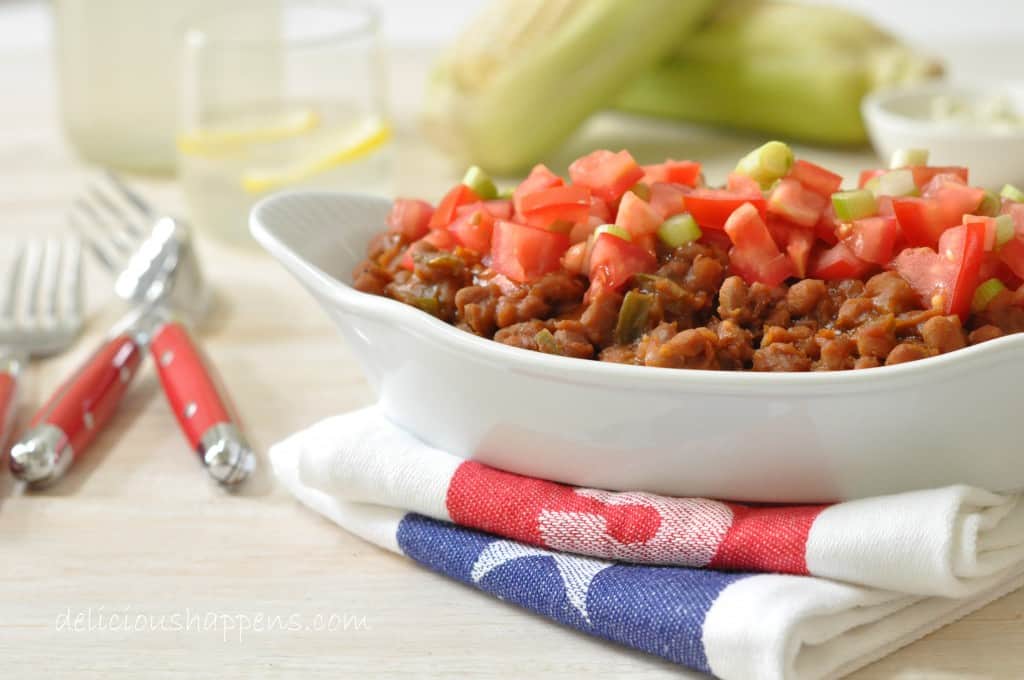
[853,205]
[1012,193]
[546,342]
[614,230]
[1004,229]
[642,190]
[985,293]
[903,158]
[480,182]
[767,163]
[679,230]
[990,205]
[652,283]
[633,316]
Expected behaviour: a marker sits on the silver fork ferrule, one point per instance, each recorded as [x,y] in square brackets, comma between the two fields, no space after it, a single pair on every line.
[41,456]
[226,454]
[12,364]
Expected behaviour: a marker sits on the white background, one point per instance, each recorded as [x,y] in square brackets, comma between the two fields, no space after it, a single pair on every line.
[426,22]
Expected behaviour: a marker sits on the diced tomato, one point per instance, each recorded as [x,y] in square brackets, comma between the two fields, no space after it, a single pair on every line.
[944,202]
[966,280]
[925,173]
[927,273]
[816,178]
[410,218]
[990,231]
[648,242]
[798,247]
[868,175]
[636,216]
[885,208]
[956,200]
[500,209]
[677,172]
[1016,211]
[524,253]
[667,199]
[581,231]
[742,184]
[789,199]
[472,228]
[770,272]
[749,232]
[755,255]
[712,207]
[540,178]
[797,242]
[565,204]
[556,196]
[445,213]
[600,209]
[1012,254]
[838,262]
[953,273]
[441,239]
[872,238]
[1006,275]
[920,220]
[825,229]
[614,261]
[605,173]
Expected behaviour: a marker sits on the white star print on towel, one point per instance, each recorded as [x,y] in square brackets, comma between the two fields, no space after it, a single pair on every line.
[577,572]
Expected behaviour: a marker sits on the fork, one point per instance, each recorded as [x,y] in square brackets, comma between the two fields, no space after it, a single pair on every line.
[158,273]
[42,312]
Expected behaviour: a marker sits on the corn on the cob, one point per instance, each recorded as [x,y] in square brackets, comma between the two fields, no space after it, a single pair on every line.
[785,69]
[525,74]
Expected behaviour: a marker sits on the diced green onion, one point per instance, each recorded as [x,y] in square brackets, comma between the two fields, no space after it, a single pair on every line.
[767,163]
[546,342]
[506,194]
[990,205]
[679,230]
[1004,229]
[853,205]
[1012,193]
[480,182]
[893,183]
[903,158]
[984,294]
[642,190]
[614,230]
[633,316]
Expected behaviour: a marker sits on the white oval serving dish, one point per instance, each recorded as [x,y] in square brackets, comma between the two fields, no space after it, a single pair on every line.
[746,436]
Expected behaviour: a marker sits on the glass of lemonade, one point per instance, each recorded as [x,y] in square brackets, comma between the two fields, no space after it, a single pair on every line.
[285,94]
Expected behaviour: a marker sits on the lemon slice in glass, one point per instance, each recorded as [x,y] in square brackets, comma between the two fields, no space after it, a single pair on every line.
[219,140]
[350,144]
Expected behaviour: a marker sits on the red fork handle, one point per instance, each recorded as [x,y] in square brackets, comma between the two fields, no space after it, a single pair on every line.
[200,404]
[64,428]
[9,371]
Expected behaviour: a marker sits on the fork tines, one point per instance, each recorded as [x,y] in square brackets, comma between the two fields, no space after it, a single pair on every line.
[43,294]
[113,219]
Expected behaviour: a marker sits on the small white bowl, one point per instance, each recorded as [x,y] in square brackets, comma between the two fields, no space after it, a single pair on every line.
[900,118]
[783,437]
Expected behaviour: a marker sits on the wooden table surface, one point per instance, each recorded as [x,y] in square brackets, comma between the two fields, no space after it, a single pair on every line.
[135,565]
